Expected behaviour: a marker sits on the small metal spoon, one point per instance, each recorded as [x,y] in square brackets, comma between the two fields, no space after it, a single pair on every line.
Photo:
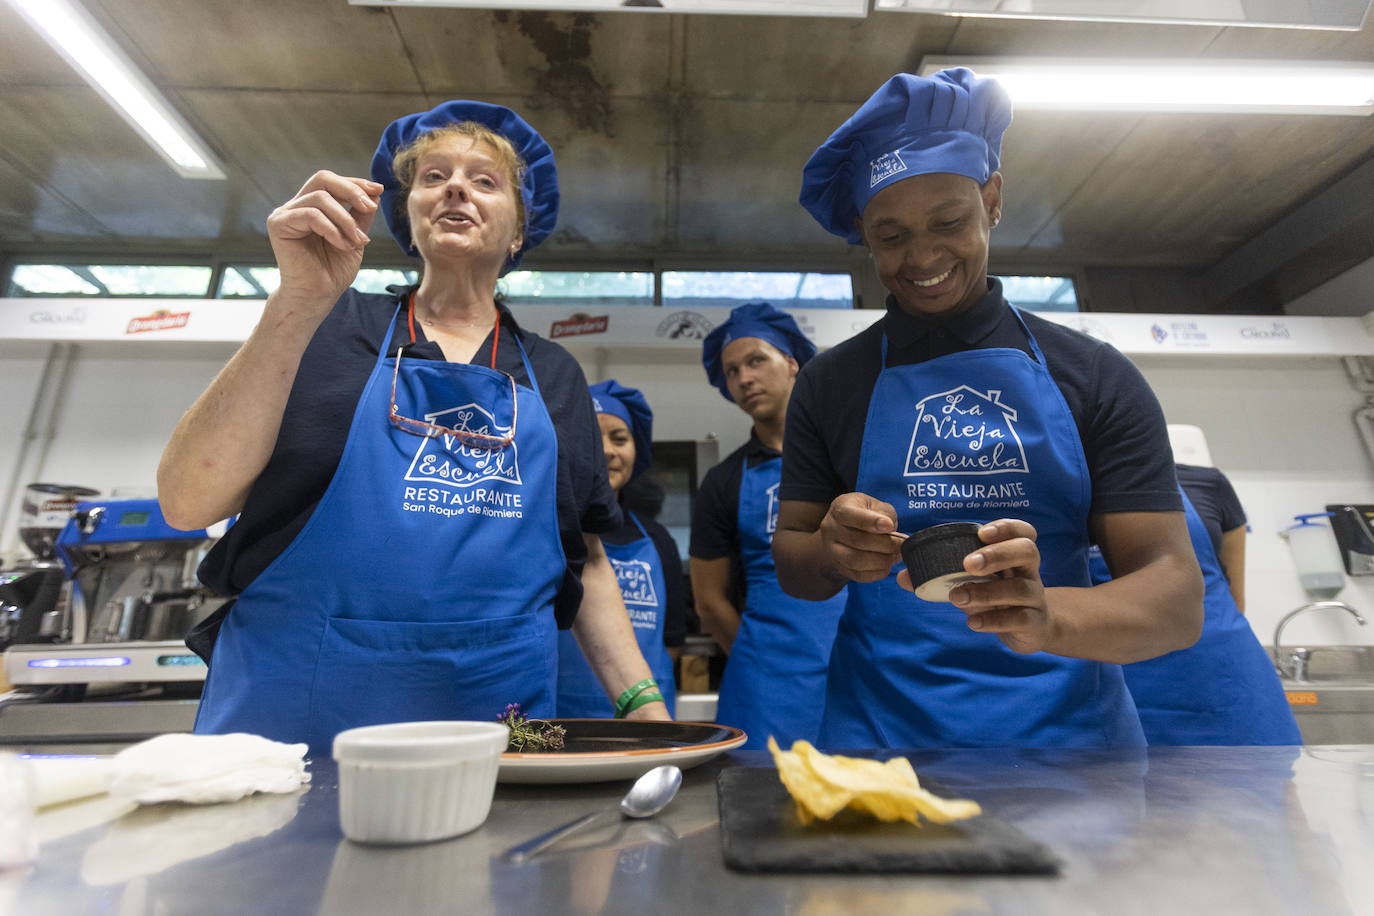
[649,795]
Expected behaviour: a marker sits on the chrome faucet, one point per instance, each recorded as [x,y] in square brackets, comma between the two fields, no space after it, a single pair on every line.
[1294,666]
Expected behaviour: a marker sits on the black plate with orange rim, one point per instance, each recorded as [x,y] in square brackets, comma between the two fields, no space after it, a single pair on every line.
[602,750]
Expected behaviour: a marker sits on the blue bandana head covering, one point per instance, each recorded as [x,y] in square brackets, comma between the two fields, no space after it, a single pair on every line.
[538,188]
[757,319]
[629,405]
[950,122]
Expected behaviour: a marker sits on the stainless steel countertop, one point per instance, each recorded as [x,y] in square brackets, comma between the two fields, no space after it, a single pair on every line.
[1198,830]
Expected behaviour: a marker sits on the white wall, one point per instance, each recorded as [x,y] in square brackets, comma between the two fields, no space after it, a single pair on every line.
[1281,430]
[1280,427]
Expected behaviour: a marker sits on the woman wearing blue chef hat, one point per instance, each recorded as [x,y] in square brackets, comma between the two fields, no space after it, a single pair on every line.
[414,472]
[774,680]
[642,553]
[957,407]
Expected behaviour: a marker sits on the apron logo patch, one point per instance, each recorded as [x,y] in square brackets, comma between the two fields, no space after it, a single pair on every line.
[884,167]
[771,524]
[636,582]
[446,460]
[963,431]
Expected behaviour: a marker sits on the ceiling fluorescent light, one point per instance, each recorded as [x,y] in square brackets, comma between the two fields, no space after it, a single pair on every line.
[1190,85]
[1342,15]
[80,40]
[850,8]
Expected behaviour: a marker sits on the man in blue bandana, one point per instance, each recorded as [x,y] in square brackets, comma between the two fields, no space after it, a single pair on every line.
[956,407]
[774,681]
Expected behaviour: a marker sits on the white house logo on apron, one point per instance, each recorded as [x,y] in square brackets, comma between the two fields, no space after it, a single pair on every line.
[963,431]
[446,460]
[636,582]
[772,522]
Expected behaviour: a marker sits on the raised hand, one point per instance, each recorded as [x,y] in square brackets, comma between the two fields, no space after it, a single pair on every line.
[319,235]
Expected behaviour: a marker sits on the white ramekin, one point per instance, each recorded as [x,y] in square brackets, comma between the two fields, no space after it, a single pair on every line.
[414,782]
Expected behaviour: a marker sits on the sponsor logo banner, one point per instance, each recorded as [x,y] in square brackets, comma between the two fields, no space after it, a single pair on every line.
[684,326]
[580,324]
[161,320]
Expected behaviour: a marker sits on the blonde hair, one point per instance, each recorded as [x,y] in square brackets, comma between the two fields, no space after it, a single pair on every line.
[404,161]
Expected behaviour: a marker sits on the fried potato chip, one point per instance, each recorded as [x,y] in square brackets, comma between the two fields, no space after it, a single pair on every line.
[822,785]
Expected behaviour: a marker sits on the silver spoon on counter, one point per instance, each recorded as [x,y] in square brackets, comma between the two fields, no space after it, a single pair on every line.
[649,795]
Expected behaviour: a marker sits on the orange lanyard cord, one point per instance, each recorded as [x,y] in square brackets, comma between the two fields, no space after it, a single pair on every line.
[496,333]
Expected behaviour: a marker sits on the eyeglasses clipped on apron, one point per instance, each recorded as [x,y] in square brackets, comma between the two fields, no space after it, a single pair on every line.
[434,430]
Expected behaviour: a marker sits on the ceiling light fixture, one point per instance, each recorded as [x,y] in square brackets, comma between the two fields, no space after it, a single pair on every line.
[1188,85]
[1340,15]
[75,35]
[849,8]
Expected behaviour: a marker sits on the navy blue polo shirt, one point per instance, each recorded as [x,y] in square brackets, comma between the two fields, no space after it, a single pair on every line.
[319,413]
[1214,499]
[1118,417]
[715,509]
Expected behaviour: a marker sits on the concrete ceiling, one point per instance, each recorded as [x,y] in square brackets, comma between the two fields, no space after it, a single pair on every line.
[678,137]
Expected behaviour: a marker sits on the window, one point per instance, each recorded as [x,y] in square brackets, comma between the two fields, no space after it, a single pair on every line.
[695,288]
[1041,294]
[573,287]
[242,281]
[102,280]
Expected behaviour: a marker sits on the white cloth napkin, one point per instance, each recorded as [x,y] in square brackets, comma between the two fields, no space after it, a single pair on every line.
[18,842]
[203,769]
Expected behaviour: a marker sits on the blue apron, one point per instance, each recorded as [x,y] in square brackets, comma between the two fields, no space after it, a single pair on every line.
[639,571]
[399,600]
[774,680]
[972,436]
[1222,690]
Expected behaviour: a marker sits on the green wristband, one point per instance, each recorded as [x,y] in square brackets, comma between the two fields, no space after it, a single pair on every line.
[644,699]
[631,692]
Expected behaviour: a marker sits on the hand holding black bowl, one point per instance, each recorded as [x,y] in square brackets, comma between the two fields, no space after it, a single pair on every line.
[934,559]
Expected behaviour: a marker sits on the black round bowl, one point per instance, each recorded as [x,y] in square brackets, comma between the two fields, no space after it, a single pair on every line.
[935,558]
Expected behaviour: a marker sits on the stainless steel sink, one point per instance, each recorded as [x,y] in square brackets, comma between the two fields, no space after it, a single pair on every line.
[1333,698]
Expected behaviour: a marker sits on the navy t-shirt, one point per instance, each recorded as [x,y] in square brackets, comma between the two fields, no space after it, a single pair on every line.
[1119,420]
[1214,499]
[675,599]
[319,414]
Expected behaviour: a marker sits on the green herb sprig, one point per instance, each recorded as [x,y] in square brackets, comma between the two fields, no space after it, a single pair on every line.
[528,734]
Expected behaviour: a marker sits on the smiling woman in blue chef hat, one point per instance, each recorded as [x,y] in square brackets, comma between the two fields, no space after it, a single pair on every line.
[414,472]
[642,552]
[958,407]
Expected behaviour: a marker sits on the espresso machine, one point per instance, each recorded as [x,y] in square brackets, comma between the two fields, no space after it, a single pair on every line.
[32,593]
[114,665]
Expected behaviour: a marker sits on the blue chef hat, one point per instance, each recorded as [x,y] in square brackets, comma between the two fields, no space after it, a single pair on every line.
[538,189]
[757,319]
[950,122]
[629,405]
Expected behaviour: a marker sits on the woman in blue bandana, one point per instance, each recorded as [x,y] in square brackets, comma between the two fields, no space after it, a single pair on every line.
[779,646]
[414,472]
[642,553]
[957,407]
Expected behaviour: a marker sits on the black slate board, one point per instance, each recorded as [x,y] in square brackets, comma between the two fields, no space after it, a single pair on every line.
[759,831]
